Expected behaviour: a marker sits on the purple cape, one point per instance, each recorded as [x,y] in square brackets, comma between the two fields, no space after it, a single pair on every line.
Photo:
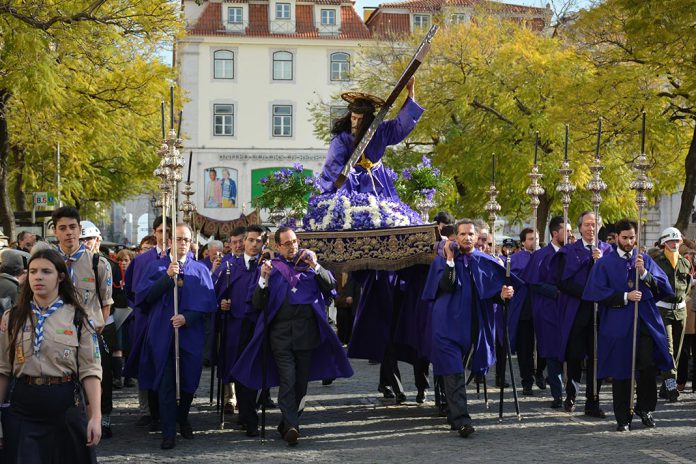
[328,359]
[196,296]
[359,179]
[413,327]
[578,261]
[451,316]
[138,323]
[518,263]
[611,275]
[236,283]
[544,309]
[373,315]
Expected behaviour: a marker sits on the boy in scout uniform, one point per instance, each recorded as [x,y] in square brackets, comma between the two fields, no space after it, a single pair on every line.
[91,276]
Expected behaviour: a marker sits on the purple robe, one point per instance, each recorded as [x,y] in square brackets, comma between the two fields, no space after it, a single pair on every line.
[376,181]
[207,262]
[413,327]
[197,296]
[518,263]
[373,315]
[328,359]
[577,263]
[452,312]
[138,323]
[235,282]
[611,275]
[544,296]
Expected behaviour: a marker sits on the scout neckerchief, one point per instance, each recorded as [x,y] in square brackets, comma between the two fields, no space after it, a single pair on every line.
[69,260]
[40,320]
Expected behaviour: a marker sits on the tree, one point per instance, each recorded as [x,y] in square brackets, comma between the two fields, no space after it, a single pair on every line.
[84,74]
[655,41]
[490,85]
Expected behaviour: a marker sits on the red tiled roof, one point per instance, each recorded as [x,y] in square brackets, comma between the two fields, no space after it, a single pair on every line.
[435,5]
[352,27]
[386,24]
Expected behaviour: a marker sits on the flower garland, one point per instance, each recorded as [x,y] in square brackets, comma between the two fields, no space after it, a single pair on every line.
[356,211]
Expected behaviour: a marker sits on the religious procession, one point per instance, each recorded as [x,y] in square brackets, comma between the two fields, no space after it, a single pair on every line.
[496,194]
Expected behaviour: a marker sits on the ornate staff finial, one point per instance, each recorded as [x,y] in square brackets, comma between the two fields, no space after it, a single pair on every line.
[493,207]
[641,185]
[535,190]
[565,187]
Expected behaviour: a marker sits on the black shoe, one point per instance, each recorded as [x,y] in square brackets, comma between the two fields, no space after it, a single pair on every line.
[129,382]
[557,403]
[442,410]
[596,413]
[291,436]
[499,384]
[168,443]
[106,432]
[540,382]
[186,431]
[420,397]
[623,427]
[569,405]
[466,430]
[646,418]
[143,421]
[400,397]
[385,391]
[326,382]
[527,391]
[154,426]
[118,384]
[252,432]
[229,408]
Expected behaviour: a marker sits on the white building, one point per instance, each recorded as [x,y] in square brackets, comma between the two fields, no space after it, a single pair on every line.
[249,69]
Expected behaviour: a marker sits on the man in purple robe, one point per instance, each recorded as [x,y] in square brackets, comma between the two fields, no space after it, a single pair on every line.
[572,265]
[291,295]
[614,286]
[463,285]
[196,297]
[544,295]
[138,326]
[235,281]
[369,174]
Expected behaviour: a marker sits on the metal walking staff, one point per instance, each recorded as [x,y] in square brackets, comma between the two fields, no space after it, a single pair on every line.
[596,185]
[493,208]
[640,185]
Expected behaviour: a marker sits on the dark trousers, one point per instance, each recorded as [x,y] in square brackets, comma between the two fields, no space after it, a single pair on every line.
[555,377]
[246,397]
[421,371]
[153,404]
[389,373]
[170,413]
[688,352]
[646,377]
[455,388]
[540,365]
[525,352]
[580,345]
[344,324]
[106,341]
[439,388]
[293,372]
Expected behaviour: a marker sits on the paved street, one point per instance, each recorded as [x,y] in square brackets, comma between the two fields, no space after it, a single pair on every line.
[347,422]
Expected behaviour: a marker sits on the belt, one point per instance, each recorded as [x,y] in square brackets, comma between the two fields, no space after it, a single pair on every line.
[367,164]
[675,306]
[47,380]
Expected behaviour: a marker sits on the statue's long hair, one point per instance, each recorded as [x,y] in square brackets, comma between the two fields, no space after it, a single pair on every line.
[343,125]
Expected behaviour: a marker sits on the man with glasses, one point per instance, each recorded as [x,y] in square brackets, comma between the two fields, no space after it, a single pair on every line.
[155,296]
[148,401]
[291,294]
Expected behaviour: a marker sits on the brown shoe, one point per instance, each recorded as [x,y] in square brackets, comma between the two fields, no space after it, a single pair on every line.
[291,436]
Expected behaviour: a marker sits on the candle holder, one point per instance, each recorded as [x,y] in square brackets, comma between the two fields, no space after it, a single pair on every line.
[565,187]
[188,207]
[535,191]
[493,208]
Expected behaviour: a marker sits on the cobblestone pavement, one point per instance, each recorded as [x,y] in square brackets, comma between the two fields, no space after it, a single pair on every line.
[348,422]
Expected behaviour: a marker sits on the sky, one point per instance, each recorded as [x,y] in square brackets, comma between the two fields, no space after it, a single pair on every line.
[359,4]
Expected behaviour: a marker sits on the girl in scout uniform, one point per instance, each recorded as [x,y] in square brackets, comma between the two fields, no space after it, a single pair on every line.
[50,349]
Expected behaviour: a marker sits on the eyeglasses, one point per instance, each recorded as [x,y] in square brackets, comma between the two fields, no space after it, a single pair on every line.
[183,240]
[290,243]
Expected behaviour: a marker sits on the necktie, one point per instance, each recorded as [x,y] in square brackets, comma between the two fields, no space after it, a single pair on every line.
[252,264]
[40,320]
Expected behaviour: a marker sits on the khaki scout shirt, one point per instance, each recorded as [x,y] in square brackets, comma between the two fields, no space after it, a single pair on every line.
[83,278]
[59,349]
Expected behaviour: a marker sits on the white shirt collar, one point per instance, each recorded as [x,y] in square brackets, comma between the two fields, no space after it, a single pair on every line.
[555,247]
[586,244]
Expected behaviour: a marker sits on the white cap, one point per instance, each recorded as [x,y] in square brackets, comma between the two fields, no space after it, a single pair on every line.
[670,233]
[89,230]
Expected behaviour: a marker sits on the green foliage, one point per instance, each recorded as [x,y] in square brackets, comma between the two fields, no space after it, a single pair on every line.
[421,181]
[286,189]
[85,75]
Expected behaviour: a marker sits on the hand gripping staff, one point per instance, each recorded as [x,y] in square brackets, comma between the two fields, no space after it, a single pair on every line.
[410,70]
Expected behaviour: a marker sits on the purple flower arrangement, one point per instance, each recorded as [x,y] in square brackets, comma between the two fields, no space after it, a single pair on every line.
[286,189]
[421,182]
[356,211]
